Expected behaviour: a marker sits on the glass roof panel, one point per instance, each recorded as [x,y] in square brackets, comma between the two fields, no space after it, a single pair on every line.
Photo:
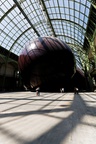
[17,47]
[24,20]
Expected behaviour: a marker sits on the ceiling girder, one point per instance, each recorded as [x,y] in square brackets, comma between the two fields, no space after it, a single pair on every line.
[41,2]
[19,37]
[26,17]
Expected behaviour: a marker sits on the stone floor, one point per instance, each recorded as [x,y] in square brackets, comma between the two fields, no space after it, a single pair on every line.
[51,118]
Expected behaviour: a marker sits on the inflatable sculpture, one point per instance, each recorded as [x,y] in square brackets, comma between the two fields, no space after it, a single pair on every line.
[46,62]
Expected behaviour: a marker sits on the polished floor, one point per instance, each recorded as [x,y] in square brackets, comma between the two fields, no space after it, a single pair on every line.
[51,118]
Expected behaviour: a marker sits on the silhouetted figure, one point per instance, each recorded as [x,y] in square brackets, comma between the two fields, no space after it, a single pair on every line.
[76,90]
[61,90]
[38,91]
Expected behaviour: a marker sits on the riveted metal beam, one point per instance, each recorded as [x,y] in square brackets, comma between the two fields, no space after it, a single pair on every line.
[41,2]
[14,6]
[19,37]
[26,17]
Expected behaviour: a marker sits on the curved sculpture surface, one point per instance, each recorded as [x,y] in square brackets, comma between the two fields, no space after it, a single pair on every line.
[78,80]
[46,62]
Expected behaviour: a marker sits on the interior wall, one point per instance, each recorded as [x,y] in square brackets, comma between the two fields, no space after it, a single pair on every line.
[7,77]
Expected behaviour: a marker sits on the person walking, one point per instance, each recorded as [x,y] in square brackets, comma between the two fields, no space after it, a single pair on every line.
[76,90]
[37,91]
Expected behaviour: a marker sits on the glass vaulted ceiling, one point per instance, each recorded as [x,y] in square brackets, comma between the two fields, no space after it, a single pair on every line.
[24,20]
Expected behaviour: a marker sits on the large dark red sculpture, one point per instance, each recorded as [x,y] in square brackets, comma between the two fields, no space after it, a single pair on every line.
[47,62]
[78,80]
